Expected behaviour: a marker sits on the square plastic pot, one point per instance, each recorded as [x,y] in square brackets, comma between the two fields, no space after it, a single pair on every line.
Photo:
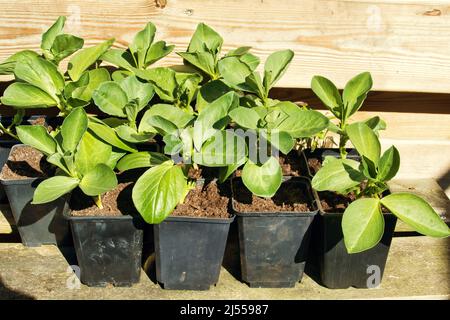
[339,269]
[108,249]
[189,251]
[5,149]
[37,224]
[274,245]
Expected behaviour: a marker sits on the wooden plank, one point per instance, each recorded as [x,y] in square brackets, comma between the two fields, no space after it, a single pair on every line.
[417,268]
[403,43]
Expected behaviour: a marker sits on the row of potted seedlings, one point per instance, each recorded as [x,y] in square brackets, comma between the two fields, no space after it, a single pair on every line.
[189,152]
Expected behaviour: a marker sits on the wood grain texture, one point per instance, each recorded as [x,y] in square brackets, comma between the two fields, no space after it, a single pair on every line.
[404,43]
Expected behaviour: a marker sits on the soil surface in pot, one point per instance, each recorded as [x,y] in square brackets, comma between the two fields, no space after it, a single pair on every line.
[24,163]
[335,203]
[314,165]
[289,198]
[291,165]
[208,201]
[116,202]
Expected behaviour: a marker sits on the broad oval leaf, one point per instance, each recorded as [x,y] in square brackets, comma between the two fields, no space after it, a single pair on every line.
[163,80]
[365,141]
[42,74]
[205,39]
[245,117]
[300,123]
[137,90]
[276,65]
[24,95]
[209,92]
[262,180]
[64,45]
[83,59]
[355,92]
[328,94]
[157,51]
[338,175]
[281,140]
[111,99]
[108,135]
[362,225]
[91,152]
[143,159]
[99,180]
[53,188]
[389,164]
[417,213]
[95,78]
[37,137]
[177,116]
[158,191]
[141,43]
[233,70]
[202,60]
[120,58]
[129,134]
[49,36]
[73,128]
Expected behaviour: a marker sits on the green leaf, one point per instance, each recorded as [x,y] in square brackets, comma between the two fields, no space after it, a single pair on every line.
[42,74]
[90,153]
[37,137]
[337,175]
[245,117]
[137,90]
[53,188]
[225,172]
[389,164]
[328,94]
[362,225]
[300,123]
[275,66]
[73,128]
[108,135]
[58,160]
[111,99]
[281,140]
[83,59]
[250,60]
[24,95]
[376,124]
[188,85]
[262,180]
[417,213]
[202,60]
[223,148]
[143,159]
[157,51]
[64,45]
[131,135]
[162,125]
[355,92]
[7,67]
[141,43]
[99,180]
[365,141]
[158,191]
[205,39]
[209,92]
[210,115]
[169,112]
[49,36]
[233,70]
[163,80]
[94,79]
[120,58]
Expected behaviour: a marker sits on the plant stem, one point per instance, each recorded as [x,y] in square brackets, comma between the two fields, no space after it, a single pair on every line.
[98,201]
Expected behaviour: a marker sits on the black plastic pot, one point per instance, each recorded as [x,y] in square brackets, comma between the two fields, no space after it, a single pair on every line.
[337,268]
[321,153]
[108,249]
[274,246]
[37,224]
[189,251]
[5,149]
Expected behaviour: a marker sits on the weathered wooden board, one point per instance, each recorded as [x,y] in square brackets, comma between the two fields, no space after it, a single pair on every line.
[417,268]
[404,43]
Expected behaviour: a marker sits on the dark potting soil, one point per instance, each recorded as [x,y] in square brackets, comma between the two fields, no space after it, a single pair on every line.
[291,165]
[210,200]
[24,163]
[116,202]
[289,198]
[333,202]
[202,172]
[314,165]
